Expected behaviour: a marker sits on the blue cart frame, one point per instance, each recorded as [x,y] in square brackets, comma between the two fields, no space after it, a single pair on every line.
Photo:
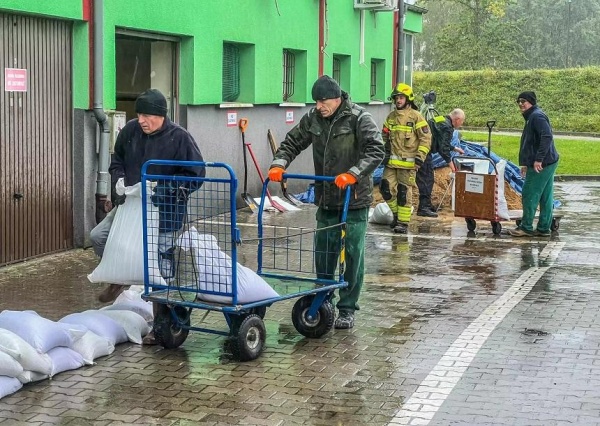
[211,206]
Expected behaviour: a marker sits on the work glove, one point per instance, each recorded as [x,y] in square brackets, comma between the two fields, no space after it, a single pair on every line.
[118,193]
[276,174]
[344,179]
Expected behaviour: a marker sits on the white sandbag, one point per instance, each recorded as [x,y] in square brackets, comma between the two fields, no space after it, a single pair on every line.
[141,308]
[39,332]
[502,204]
[100,324]
[9,366]
[24,353]
[31,376]
[9,385]
[215,271]
[135,326]
[92,346]
[74,330]
[123,258]
[64,359]
[382,214]
[132,294]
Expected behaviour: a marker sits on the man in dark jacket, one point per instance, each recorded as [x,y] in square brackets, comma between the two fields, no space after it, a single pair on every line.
[152,136]
[442,130]
[347,144]
[538,159]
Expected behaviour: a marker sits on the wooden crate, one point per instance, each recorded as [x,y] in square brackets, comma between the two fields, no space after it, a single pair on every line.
[476,196]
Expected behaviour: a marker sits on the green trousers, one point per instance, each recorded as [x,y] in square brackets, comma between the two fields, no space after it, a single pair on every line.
[538,190]
[327,251]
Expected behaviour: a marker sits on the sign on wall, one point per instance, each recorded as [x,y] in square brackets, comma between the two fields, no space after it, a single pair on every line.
[15,80]
[231,118]
[289,116]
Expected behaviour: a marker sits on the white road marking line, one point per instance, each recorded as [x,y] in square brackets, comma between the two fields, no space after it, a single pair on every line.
[424,403]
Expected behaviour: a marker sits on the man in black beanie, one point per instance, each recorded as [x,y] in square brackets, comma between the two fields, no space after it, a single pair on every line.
[347,145]
[538,159]
[150,136]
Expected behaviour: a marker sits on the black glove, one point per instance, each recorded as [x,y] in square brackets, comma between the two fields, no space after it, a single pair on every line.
[116,199]
[418,162]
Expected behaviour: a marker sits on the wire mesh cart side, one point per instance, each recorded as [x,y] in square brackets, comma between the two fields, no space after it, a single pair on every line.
[305,263]
[190,254]
[476,192]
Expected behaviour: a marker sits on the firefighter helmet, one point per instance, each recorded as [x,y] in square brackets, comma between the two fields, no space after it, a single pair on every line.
[403,89]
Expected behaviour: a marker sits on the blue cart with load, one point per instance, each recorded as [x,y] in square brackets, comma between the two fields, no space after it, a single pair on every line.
[191,247]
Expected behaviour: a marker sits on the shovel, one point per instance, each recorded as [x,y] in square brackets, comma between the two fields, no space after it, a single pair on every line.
[248,199]
[490,124]
[243,124]
[287,196]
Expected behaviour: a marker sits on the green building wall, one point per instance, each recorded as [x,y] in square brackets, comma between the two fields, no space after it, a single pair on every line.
[203,26]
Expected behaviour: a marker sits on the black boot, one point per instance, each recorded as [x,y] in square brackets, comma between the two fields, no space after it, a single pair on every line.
[427,212]
[401,228]
[394,221]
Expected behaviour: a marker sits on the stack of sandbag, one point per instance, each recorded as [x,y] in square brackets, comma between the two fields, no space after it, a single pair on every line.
[34,348]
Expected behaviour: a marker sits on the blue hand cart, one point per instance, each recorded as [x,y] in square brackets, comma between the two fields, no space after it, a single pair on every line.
[191,246]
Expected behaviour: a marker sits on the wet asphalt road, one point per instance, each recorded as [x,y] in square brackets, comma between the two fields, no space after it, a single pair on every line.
[453,329]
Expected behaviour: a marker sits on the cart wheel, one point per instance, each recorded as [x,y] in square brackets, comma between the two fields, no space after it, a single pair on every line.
[496,228]
[169,332]
[555,224]
[518,222]
[317,326]
[250,339]
[471,224]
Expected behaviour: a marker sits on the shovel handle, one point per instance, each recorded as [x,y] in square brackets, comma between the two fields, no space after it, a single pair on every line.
[490,124]
[243,123]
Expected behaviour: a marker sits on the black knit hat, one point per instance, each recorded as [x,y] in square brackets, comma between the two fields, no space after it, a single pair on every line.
[151,102]
[529,97]
[326,88]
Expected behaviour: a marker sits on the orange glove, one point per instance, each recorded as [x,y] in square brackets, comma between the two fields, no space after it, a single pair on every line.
[276,174]
[344,179]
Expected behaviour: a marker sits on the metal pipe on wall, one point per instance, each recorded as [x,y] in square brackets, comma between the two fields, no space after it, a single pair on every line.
[103,204]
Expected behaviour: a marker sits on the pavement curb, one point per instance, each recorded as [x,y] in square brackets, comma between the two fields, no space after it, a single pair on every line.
[570,178]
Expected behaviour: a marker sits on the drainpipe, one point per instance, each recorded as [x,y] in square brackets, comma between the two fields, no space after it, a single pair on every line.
[103,204]
[400,72]
[322,8]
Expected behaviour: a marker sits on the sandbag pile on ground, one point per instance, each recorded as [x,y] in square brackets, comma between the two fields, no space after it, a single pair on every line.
[34,348]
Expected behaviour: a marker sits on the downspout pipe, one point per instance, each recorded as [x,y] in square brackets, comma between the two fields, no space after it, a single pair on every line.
[400,71]
[103,204]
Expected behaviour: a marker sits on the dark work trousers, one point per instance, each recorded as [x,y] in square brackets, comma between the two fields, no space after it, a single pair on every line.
[327,252]
[425,178]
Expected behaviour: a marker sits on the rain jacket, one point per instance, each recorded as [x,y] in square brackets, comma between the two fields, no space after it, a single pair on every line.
[171,142]
[348,142]
[406,137]
[537,142]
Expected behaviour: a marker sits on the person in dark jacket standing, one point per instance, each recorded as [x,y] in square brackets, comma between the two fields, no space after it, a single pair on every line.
[538,159]
[347,144]
[151,136]
[442,130]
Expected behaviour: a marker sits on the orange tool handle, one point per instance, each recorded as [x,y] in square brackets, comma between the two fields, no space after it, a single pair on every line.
[243,124]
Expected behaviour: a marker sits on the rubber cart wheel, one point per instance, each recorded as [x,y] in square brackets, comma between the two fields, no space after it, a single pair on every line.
[471,224]
[169,332]
[316,327]
[555,224]
[249,341]
[496,228]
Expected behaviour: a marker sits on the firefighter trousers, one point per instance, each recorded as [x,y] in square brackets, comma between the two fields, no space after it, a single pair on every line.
[396,189]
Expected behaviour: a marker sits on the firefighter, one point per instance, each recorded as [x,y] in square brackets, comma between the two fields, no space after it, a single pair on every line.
[407,142]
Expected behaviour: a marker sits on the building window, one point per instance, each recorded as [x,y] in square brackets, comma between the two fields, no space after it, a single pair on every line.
[231,72]
[341,71]
[377,80]
[289,74]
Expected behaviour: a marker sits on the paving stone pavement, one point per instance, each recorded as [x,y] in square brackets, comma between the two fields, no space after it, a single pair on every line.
[453,330]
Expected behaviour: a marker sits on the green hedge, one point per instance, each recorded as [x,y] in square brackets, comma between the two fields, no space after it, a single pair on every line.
[570,97]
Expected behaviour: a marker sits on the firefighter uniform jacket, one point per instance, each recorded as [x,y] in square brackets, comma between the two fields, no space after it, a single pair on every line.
[406,137]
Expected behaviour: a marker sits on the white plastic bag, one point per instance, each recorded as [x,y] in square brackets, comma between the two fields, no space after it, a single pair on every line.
[9,385]
[9,366]
[64,359]
[100,324]
[31,376]
[135,326]
[92,346]
[123,259]
[39,332]
[502,204]
[215,271]
[382,214]
[24,353]
[140,308]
